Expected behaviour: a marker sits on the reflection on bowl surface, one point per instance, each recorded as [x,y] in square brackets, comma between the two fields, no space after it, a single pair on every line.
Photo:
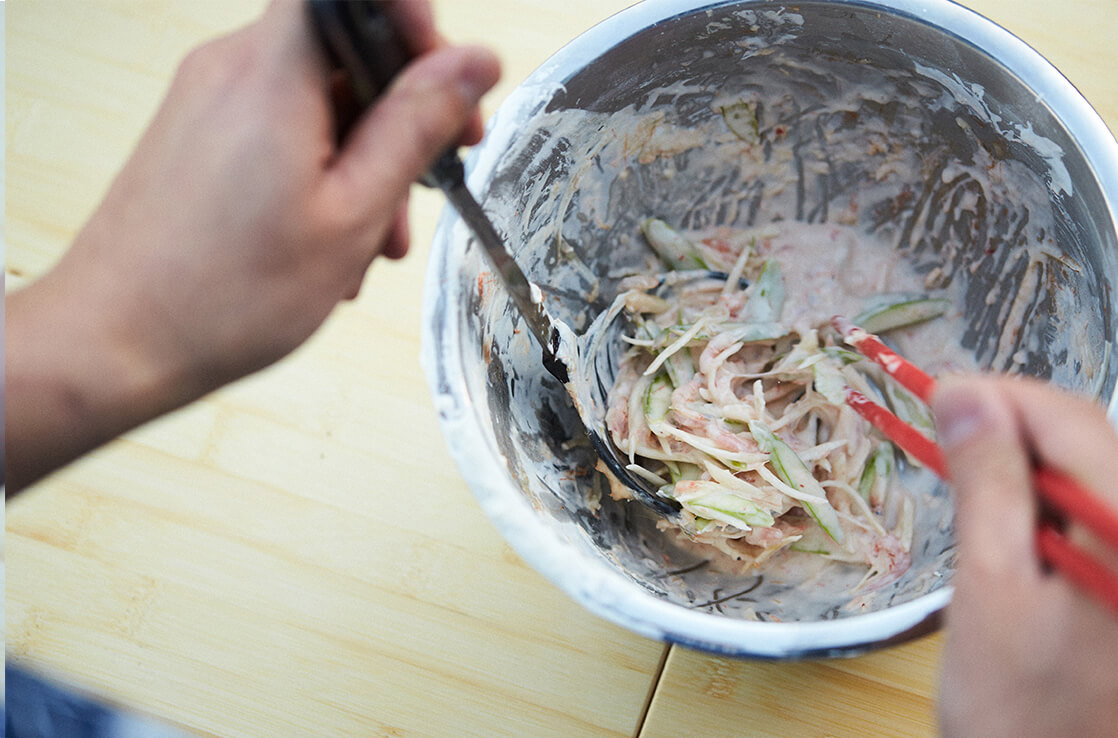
[933,131]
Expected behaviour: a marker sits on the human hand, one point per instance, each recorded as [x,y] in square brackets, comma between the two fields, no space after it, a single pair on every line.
[234,229]
[240,221]
[1026,652]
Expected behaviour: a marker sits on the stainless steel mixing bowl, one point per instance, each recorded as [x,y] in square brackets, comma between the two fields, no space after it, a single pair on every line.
[919,122]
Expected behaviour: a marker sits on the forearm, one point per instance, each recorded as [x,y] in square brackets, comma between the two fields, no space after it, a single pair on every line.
[76,376]
[226,239]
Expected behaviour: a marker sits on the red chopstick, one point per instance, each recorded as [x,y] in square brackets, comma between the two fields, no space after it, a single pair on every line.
[1076,565]
[1060,493]
[919,446]
[908,375]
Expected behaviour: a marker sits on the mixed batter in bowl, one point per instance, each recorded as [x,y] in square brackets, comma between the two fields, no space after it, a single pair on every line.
[867,149]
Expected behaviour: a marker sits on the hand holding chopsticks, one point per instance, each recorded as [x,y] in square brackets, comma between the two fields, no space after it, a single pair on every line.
[1064,499]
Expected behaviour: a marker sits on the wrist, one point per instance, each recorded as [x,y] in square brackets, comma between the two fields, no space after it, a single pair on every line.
[81,369]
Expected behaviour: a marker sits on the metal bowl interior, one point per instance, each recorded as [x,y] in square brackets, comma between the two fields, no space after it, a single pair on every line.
[921,123]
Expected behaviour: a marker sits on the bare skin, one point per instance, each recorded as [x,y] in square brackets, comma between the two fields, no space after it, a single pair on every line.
[234,229]
[1027,653]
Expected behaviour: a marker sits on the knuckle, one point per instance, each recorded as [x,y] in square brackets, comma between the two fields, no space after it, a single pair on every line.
[203,62]
[217,63]
[435,115]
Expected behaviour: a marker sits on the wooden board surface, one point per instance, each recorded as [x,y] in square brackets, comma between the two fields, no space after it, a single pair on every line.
[887,693]
[250,565]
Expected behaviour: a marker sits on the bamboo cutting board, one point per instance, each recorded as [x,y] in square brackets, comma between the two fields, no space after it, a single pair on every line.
[253,565]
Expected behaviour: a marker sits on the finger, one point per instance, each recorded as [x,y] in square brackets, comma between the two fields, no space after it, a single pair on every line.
[421,115]
[287,24]
[1070,434]
[990,470]
[473,132]
[416,23]
[398,241]
[355,288]
[343,102]
[395,246]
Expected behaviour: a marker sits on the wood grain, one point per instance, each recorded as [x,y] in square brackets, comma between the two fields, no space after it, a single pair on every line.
[888,693]
[296,554]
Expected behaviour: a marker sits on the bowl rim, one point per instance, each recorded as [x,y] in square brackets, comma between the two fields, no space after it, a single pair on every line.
[606,592]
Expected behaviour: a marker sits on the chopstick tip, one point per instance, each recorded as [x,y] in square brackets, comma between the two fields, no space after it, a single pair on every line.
[846,328]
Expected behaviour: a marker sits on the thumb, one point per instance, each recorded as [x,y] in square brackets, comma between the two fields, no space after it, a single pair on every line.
[991,472]
[421,115]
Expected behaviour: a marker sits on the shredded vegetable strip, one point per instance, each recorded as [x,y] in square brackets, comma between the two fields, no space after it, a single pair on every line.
[676,345]
[743,419]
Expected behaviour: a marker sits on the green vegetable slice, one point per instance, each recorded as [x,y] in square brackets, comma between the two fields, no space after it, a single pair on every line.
[710,500]
[815,541]
[682,471]
[735,331]
[879,467]
[680,367]
[766,296]
[846,356]
[741,118]
[658,399]
[792,471]
[671,245]
[829,382]
[886,312]
[909,408]
[753,332]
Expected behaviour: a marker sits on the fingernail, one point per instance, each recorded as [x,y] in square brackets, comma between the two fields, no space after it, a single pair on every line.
[960,413]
